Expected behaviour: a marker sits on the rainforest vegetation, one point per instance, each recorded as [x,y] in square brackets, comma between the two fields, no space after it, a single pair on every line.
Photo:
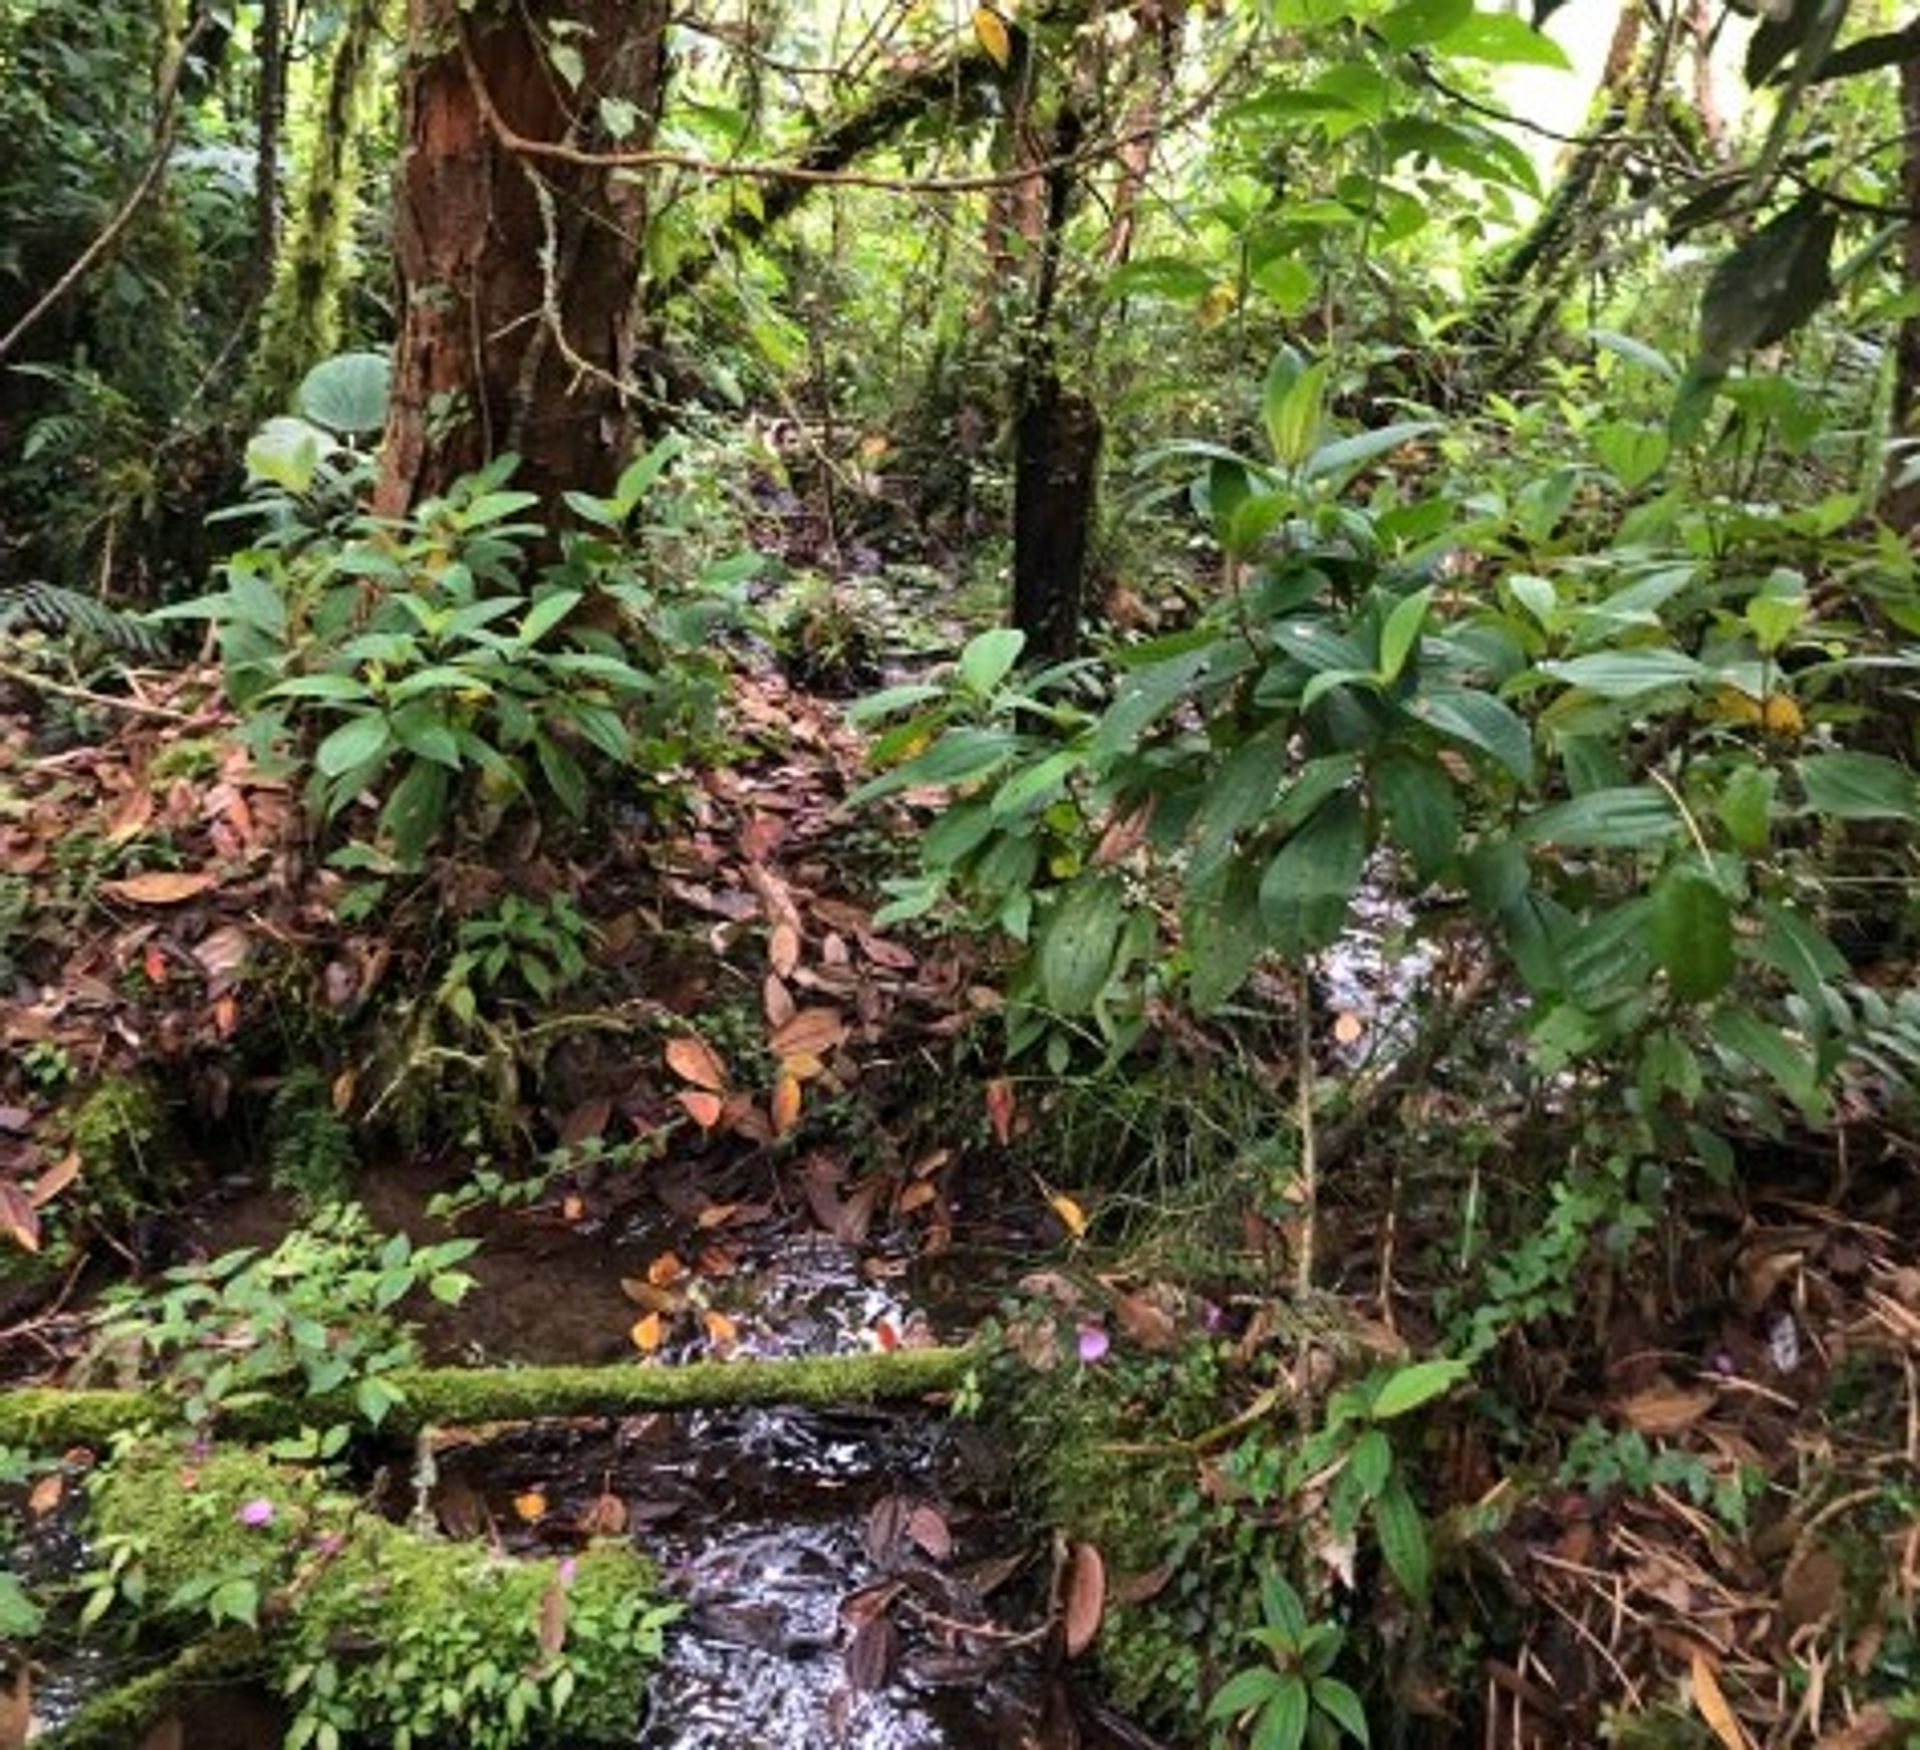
[1035,874]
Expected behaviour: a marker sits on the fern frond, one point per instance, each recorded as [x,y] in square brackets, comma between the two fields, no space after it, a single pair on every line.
[71,613]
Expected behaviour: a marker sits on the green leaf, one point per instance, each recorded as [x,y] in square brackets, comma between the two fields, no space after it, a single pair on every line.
[1371,1462]
[20,1617]
[1339,1703]
[1148,695]
[1407,1388]
[547,613]
[1480,720]
[1292,406]
[989,659]
[1347,453]
[1859,786]
[1225,935]
[1241,789]
[340,687]
[1745,806]
[347,393]
[1636,815]
[1798,950]
[1180,282]
[1633,453]
[1243,1692]
[1691,931]
[353,744]
[1770,1051]
[1034,786]
[1770,284]
[956,758]
[1403,1539]
[1505,40]
[1282,1724]
[1422,21]
[1402,632]
[1309,886]
[1422,814]
[1079,944]
[1625,674]
[1635,352]
[286,453]
[563,775]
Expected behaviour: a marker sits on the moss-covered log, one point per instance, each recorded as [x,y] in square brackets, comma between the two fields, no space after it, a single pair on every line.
[41,1416]
[121,1715]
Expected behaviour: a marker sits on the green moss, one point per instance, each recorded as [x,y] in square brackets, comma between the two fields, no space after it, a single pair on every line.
[128,1163]
[389,1638]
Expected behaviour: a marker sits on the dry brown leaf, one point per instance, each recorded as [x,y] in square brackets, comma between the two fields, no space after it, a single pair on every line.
[916,1196]
[1666,1409]
[160,886]
[776,1001]
[870,1654]
[703,1108]
[783,950]
[130,817]
[666,1270]
[167,1734]
[1001,1109]
[1086,1599]
[810,1032]
[648,1332]
[1145,1323]
[649,1296]
[19,1220]
[929,1529]
[694,1060]
[56,1179]
[1711,1700]
[606,1516]
[722,1332]
[222,953]
[785,1105]
[46,1494]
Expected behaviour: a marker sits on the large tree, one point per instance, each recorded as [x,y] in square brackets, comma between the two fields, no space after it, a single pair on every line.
[519,255]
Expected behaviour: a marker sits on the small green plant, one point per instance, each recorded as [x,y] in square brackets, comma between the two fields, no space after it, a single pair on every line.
[1291,1699]
[1601,1459]
[310,1148]
[539,945]
[316,1316]
[47,1064]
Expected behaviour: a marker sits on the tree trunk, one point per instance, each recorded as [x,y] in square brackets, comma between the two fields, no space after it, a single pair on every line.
[1901,504]
[518,278]
[1055,479]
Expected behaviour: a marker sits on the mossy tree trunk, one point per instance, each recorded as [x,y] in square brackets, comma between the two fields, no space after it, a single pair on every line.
[1901,503]
[519,271]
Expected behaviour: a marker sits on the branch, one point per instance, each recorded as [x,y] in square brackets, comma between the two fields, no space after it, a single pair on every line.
[142,191]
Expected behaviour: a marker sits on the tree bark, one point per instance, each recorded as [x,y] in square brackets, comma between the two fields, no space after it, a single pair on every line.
[518,279]
[1900,505]
[1055,481]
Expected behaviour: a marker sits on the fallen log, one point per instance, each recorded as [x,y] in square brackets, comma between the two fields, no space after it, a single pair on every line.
[44,1416]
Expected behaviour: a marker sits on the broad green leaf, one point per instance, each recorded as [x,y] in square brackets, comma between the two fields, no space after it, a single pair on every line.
[1625,674]
[1422,814]
[1630,451]
[1034,786]
[286,453]
[1308,887]
[1859,786]
[1609,957]
[1169,277]
[563,775]
[1243,1692]
[1692,933]
[1637,815]
[337,687]
[957,757]
[494,507]
[1402,632]
[1224,935]
[1745,805]
[989,658]
[892,699]
[1339,1703]
[347,393]
[1403,1539]
[1422,21]
[1743,1033]
[1147,696]
[1292,407]
[1363,447]
[1079,944]
[1799,950]
[20,1616]
[1480,720]
[1635,352]
[1241,789]
[1371,1462]
[1407,1388]
[1504,40]
[416,811]
[1770,284]
[547,613]
[353,744]
[1282,1723]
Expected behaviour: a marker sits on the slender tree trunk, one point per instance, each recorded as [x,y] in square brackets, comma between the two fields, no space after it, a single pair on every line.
[1901,504]
[519,277]
[266,163]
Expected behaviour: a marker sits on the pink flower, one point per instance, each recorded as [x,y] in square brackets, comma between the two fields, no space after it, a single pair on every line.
[258,1511]
[568,1568]
[1094,1343]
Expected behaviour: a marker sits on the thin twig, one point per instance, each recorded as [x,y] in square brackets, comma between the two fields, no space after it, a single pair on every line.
[25,677]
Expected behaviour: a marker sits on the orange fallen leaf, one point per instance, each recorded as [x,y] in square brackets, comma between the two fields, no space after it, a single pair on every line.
[916,1196]
[648,1333]
[1664,1410]
[785,1106]
[813,1032]
[56,1179]
[783,949]
[1711,1700]
[1086,1601]
[776,1001]
[722,1332]
[703,1108]
[716,1215]
[1071,1215]
[19,1221]
[531,1506]
[666,1270]
[46,1494]
[694,1060]
[606,1516]
[159,886]
[1348,1028]
[226,1014]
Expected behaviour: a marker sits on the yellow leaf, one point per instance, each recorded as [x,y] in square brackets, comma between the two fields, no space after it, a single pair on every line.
[786,1104]
[530,1506]
[694,1060]
[1781,715]
[1711,1700]
[648,1333]
[991,29]
[722,1332]
[1071,1215]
